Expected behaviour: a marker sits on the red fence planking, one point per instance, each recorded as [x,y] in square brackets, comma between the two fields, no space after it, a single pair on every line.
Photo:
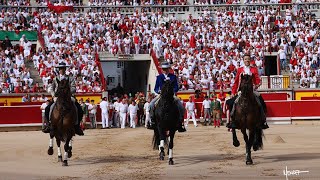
[310,98]
[20,114]
[2,104]
[305,108]
[25,103]
[276,109]
[274,96]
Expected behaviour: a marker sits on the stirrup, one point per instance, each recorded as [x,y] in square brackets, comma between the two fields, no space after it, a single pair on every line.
[78,130]
[46,129]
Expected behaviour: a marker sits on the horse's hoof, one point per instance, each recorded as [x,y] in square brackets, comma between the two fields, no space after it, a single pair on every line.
[69,154]
[161,156]
[236,143]
[255,148]
[50,151]
[65,163]
[249,162]
[59,158]
[171,161]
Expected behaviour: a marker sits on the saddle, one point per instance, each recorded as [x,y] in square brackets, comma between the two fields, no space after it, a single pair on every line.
[53,105]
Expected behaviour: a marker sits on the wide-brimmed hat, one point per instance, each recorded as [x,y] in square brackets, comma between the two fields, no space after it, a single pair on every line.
[62,65]
[165,65]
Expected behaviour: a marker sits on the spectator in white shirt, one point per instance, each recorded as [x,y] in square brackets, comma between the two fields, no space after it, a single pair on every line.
[146,108]
[191,110]
[132,112]
[206,110]
[123,109]
[43,107]
[92,108]
[104,113]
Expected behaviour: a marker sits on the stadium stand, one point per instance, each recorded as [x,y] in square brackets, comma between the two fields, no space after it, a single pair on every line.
[205,49]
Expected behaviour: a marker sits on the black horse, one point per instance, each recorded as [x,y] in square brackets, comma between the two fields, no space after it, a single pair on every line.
[247,116]
[63,118]
[166,120]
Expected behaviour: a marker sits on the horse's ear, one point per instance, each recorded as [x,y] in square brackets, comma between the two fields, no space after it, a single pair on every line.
[242,75]
[58,81]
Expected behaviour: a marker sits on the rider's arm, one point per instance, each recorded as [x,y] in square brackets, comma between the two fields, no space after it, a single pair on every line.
[236,83]
[157,86]
[175,84]
[52,87]
[257,80]
[72,86]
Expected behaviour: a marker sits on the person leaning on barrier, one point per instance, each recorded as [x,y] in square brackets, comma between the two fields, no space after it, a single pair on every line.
[52,89]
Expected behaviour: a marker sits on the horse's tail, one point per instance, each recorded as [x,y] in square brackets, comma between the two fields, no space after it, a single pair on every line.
[156,138]
[259,141]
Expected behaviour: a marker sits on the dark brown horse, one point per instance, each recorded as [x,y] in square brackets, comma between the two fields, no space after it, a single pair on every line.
[63,118]
[247,117]
[166,119]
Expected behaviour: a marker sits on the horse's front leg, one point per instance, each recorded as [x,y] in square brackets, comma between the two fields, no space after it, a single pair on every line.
[66,152]
[170,153]
[70,149]
[59,150]
[161,145]
[249,142]
[236,142]
[50,149]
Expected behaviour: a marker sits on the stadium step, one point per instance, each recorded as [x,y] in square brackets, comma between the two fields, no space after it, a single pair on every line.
[34,74]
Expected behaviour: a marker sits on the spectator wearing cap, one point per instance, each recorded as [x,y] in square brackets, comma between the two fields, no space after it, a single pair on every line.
[104,106]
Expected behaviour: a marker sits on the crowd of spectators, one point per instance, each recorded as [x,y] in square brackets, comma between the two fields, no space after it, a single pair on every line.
[204,51]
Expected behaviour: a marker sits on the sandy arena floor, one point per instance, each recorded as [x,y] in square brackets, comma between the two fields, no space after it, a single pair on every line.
[200,153]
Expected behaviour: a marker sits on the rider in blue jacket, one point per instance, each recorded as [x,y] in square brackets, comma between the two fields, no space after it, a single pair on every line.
[161,78]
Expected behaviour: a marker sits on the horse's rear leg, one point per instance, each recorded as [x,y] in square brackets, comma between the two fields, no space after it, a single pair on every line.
[236,142]
[59,150]
[171,148]
[249,142]
[50,149]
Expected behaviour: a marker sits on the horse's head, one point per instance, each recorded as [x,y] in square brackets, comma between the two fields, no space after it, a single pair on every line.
[246,85]
[167,89]
[63,88]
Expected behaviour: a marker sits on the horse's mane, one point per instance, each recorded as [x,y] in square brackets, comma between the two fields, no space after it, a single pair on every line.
[64,95]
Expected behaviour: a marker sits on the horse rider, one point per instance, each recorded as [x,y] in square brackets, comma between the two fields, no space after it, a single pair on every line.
[247,69]
[161,78]
[52,89]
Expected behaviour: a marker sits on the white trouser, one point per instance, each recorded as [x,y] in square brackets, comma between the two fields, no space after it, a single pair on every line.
[123,119]
[105,119]
[133,120]
[137,47]
[147,119]
[193,116]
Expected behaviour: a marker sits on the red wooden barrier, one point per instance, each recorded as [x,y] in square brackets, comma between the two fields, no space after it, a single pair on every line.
[25,103]
[277,110]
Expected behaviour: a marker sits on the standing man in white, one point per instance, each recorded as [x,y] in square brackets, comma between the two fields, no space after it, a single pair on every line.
[190,107]
[206,110]
[132,112]
[146,108]
[104,105]
[123,109]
